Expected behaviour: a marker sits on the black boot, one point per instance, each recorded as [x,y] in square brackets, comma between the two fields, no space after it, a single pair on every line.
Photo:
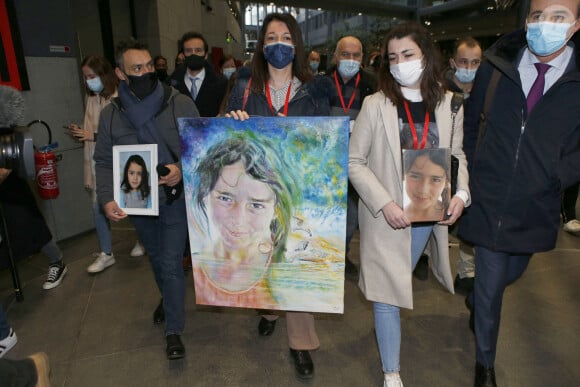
[484,377]
[421,271]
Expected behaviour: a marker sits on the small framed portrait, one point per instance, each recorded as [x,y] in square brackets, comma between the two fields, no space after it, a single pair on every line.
[135,179]
[427,184]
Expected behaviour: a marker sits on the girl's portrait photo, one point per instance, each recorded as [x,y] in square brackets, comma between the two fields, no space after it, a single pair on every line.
[136,178]
[427,184]
[135,185]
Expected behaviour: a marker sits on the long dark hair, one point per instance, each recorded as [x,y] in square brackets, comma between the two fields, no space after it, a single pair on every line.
[259,63]
[104,70]
[144,187]
[432,89]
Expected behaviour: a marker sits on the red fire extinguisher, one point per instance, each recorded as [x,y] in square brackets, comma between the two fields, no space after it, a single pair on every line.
[45,165]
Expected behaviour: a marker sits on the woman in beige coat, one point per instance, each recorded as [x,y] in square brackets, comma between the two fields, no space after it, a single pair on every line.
[411,111]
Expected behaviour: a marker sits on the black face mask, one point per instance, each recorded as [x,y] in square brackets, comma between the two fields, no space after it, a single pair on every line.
[161,74]
[194,62]
[142,85]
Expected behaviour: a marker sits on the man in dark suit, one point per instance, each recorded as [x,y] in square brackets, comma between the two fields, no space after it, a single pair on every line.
[197,79]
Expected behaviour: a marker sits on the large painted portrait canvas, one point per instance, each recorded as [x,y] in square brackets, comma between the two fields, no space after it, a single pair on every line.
[266,208]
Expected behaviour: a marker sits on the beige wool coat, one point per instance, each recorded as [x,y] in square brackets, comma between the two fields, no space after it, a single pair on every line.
[375,170]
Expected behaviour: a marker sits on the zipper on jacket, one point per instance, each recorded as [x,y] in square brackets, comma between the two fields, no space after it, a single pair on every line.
[519,141]
[522,129]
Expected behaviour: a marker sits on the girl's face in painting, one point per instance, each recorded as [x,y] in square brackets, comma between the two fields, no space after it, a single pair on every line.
[134,175]
[241,208]
[425,182]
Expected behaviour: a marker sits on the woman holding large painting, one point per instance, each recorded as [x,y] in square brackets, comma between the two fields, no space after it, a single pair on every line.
[281,84]
[410,113]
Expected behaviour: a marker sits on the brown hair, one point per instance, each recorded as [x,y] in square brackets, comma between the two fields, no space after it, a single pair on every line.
[432,89]
[468,41]
[104,70]
[259,63]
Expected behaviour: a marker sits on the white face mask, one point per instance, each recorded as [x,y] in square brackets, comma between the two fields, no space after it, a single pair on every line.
[407,73]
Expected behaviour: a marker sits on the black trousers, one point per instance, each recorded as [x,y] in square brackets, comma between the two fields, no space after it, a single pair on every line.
[17,373]
[495,271]
[569,203]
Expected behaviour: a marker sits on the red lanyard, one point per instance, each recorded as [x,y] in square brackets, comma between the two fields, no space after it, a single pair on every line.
[414,131]
[339,89]
[270,98]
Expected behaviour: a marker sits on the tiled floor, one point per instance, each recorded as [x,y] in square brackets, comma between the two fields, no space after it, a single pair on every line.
[98,331]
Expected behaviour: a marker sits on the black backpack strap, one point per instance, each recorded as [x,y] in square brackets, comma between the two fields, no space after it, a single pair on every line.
[489,94]
[456,103]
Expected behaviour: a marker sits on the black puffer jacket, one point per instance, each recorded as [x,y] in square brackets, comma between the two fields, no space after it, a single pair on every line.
[523,162]
[311,99]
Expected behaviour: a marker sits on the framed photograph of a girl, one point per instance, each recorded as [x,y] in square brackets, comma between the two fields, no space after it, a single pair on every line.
[427,184]
[135,179]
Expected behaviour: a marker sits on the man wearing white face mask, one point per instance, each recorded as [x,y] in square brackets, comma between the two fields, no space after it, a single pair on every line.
[523,154]
[351,87]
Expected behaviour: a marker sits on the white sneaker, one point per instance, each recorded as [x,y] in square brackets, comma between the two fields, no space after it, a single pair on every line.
[572,226]
[393,380]
[101,263]
[7,343]
[138,250]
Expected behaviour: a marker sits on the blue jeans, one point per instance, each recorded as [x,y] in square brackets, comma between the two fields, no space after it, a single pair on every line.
[495,271]
[4,327]
[164,237]
[387,317]
[103,229]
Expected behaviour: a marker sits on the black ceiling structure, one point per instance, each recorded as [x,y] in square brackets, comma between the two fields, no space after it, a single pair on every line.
[446,20]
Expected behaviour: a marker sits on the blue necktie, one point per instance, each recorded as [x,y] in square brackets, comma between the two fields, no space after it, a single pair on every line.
[193,90]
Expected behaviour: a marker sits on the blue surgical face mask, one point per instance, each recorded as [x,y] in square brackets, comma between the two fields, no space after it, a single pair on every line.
[347,68]
[545,38]
[229,71]
[465,75]
[279,54]
[314,65]
[95,85]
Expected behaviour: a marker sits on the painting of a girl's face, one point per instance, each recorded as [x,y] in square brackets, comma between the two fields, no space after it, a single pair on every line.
[241,208]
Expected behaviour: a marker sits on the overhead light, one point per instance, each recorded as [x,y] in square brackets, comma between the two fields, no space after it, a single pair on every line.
[427,23]
[360,13]
[319,9]
[469,28]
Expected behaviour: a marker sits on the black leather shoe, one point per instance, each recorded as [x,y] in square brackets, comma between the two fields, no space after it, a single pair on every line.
[159,314]
[471,315]
[266,327]
[484,377]
[463,285]
[421,271]
[302,364]
[175,349]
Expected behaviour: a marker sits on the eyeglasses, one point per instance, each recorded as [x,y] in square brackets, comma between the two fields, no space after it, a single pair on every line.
[553,16]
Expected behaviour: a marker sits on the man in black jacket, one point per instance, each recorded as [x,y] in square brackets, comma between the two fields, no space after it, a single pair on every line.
[523,156]
[197,79]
